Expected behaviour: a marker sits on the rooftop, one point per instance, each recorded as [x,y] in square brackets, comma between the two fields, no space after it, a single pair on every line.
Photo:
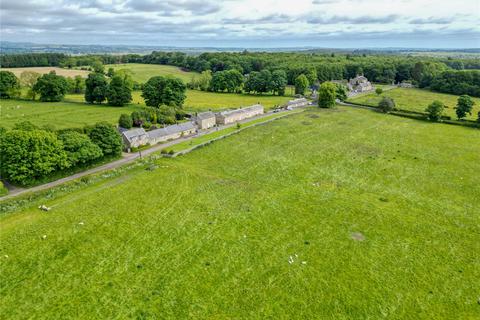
[176,128]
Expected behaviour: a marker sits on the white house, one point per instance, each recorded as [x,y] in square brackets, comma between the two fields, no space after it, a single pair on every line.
[297,103]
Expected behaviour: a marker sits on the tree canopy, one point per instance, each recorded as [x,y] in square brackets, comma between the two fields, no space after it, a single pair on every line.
[164,90]
[51,87]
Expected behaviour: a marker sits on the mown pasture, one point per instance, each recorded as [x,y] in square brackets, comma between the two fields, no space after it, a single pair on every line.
[416,100]
[142,72]
[74,112]
[343,214]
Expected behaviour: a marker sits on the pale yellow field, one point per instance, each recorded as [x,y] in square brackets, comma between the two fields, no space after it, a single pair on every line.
[60,71]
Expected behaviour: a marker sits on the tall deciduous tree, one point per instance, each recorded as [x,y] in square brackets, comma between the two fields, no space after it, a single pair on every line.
[435,110]
[301,84]
[278,82]
[28,80]
[30,155]
[51,87]
[164,90]
[9,85]
[464,106]
[327,93]
[107,138]
[118,91]
[79,148]
[95,88]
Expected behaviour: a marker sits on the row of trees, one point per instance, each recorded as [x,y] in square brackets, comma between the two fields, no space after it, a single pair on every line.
[149,117]
[52,87]
[29,153]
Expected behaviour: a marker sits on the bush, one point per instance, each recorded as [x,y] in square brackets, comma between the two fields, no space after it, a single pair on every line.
[435,110]
[478,117]
[29,155]
[3,189]
[107,138]
[125,121]
[171,152]
[378,91]
[164,151]
[386,104]
[25,126]
[79,148]
[464,106]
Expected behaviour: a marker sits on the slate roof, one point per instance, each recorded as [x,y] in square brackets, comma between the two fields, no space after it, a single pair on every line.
[205,115]
[176,128]
[242,110]
[299,100]
[134,133]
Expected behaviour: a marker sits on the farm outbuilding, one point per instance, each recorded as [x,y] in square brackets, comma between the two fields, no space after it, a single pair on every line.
[205,120]
[135,138]
[231,116]
[171,132]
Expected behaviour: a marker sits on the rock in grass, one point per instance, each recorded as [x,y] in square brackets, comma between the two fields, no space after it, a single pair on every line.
[357,236]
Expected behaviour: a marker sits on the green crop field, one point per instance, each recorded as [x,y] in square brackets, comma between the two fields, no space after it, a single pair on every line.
[143,72]
[417,100]
[345,214]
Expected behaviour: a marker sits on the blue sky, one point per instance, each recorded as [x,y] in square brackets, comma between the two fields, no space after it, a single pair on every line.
[245,23]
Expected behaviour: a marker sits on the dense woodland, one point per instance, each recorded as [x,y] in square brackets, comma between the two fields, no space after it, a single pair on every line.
[462,74]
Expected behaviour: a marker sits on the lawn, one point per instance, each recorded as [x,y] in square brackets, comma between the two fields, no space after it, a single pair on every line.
[143,72]
[67,114]
[346,214]
[42,70]
[417,100]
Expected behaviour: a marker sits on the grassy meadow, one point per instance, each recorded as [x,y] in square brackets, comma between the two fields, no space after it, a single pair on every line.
[417,100]
[142,72]
[74,112]
[325,214]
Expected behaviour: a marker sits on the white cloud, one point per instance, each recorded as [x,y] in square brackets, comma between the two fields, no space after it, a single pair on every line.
[243,22]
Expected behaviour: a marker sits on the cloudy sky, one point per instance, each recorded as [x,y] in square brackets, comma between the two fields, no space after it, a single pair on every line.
[245,23]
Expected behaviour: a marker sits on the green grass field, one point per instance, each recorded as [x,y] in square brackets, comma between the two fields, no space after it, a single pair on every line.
[346,214]
[143,72]
[66,114]
[73,112]
[417,100]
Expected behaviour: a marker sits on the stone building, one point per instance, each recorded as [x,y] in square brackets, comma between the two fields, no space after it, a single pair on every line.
[297,103]
[232,116]
[359,84]
[205,120]
[172,132]
[134,138]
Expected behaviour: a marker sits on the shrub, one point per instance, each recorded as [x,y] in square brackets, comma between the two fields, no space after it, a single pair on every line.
[464,106]
[171,152]
[79,148]
[478,115]
[378,91]
[25,126]
[435,110]
[125,121]
[107,138]
[341,92]
[164,151]
[386,104]
[29,155]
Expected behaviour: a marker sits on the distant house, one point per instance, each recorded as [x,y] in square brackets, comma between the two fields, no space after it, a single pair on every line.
[134,138]
[232,116]
[359,84]
[297,103]
[205,120]
[171,132]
